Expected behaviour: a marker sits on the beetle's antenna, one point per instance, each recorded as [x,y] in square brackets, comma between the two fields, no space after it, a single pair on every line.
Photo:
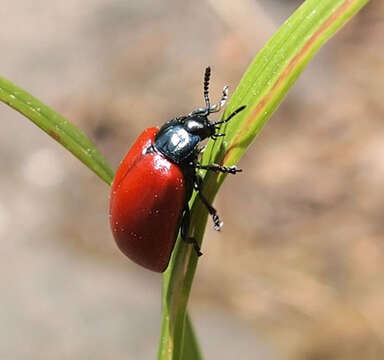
[208,108]
[207,76]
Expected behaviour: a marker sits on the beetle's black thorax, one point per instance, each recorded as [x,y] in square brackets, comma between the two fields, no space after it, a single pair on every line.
[178,139]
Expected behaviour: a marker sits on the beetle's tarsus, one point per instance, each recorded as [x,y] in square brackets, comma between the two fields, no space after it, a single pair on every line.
[196,246]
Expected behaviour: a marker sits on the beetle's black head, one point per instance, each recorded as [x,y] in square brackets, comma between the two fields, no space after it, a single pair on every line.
[200,126]
[178,138]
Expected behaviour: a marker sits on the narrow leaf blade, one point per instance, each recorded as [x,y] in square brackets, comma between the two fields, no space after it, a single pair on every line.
[264,85]
[57,127]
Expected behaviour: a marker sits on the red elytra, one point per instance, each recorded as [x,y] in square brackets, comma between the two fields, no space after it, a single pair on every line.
[147,186]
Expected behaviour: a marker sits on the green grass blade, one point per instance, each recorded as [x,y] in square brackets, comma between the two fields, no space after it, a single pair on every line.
[76,142]
[278,65]
[262,88]
[191,349]
[57,127]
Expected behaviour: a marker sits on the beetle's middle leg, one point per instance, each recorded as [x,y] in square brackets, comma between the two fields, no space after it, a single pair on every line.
[212,211]
[219,168]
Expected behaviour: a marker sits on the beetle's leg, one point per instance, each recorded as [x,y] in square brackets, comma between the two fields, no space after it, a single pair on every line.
[216,136]
[241,108]
[216,124]
[201,150]
[219,168]
[184,231]
[212,211]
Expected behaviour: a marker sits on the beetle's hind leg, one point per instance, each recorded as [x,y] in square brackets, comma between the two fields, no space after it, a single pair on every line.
[184,231]
[212,211]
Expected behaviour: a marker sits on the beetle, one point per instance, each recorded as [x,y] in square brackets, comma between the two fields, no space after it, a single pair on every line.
[154,182]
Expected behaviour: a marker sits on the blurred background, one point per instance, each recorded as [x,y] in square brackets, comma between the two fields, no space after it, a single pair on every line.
[296,273]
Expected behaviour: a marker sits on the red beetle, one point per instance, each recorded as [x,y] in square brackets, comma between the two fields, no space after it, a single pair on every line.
[155,180]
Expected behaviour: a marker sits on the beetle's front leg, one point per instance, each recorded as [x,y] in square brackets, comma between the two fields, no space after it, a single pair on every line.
[219,168]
